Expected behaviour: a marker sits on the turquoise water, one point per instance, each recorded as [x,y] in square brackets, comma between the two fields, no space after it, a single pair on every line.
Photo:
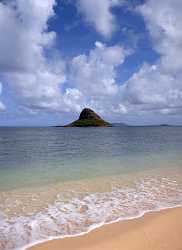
[66,181]
[31,157]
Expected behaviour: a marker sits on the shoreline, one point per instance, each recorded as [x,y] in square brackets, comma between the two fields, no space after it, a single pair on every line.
[121,231]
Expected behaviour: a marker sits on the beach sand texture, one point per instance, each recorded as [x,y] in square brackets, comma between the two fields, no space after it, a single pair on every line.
[154,231]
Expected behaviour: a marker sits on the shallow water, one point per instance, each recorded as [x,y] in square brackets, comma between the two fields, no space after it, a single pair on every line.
[56,181]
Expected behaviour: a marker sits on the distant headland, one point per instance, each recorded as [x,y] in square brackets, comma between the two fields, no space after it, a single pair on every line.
[88,118]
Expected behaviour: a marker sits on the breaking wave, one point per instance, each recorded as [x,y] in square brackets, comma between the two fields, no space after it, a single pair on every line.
[84,212]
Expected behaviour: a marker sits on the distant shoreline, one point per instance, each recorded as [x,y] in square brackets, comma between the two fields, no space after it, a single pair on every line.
[114,125]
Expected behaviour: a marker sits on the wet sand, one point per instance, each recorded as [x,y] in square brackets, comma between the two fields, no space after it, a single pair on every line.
[154,231]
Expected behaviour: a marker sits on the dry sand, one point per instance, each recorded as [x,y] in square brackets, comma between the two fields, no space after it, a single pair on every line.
[155,231]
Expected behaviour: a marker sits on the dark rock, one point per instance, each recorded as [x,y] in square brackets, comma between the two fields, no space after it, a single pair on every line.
[88,118]
[89,114]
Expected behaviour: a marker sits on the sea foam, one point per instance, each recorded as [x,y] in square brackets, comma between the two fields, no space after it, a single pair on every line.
[85,212]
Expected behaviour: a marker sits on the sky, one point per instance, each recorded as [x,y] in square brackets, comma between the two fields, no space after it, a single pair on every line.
[122,58]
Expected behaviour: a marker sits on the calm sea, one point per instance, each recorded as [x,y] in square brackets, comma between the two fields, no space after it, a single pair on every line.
[56,182]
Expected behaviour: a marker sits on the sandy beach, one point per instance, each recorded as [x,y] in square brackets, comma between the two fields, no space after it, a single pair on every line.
[154,231]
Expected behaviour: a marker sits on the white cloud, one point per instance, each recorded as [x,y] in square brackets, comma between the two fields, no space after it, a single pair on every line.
[163,19]
[95,74]
[154,88]
[158,88]
[151,91]
[73,97]
[99,14]
[23,34]
[2,107]
[36,81]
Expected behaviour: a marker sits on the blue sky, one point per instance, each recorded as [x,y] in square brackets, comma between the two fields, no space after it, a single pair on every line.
[119,57]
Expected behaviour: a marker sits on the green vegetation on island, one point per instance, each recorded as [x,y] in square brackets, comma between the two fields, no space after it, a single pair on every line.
[88,118]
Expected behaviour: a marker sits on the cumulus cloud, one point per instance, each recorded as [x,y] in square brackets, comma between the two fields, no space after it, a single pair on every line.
[99,14]
[41,82]
[151,91]
[164,20]
[158,88]
[95,74]
[23,25]
[154,88]
[35,79]
[2,107]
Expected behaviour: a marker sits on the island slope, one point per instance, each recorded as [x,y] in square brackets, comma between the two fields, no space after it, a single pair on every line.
[88,118]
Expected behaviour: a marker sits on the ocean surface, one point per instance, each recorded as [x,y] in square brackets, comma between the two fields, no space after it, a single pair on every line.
[58,182]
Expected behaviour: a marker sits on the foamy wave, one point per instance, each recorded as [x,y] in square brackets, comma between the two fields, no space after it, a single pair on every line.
[83,213]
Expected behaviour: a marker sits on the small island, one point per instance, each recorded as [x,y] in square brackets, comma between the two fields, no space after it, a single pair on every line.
[88,118]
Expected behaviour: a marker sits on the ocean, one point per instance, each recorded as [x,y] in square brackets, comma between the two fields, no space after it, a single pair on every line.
[59,182]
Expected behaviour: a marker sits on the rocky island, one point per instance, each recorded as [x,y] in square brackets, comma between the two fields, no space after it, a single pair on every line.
[88,118]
